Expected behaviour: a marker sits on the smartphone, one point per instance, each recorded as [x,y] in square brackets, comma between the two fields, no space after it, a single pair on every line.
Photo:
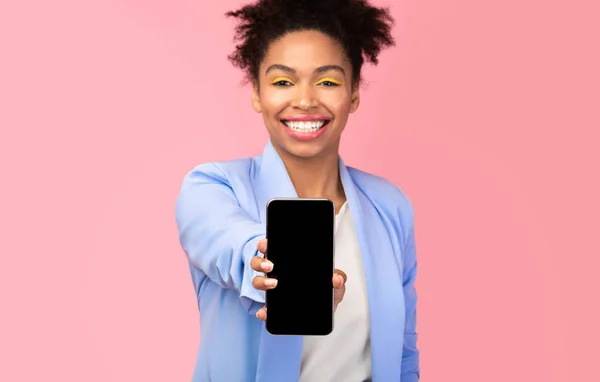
[300,244]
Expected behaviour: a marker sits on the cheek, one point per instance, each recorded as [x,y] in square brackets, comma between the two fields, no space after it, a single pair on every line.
[273,101]
[338,102]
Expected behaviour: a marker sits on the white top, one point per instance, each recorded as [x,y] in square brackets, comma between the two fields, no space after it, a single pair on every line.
[345,354]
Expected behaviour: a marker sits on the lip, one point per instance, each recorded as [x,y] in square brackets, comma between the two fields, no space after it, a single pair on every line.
[306,117]
[302,136]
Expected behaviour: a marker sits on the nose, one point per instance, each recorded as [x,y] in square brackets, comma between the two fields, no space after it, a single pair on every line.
[304,99]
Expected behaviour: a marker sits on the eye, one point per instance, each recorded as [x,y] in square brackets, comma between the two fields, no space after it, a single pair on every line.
[282,83]
[329,82]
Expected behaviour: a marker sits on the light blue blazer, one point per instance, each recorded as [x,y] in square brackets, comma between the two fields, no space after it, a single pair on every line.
[220,214]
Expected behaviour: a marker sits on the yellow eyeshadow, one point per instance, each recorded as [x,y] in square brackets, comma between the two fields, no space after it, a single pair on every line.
[332,80]
[278,79]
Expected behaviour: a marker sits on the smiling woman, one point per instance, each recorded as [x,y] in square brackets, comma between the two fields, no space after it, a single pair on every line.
[303,60]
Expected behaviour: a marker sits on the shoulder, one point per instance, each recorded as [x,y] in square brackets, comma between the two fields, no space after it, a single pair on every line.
[223,172]
[381,190]
[385,196]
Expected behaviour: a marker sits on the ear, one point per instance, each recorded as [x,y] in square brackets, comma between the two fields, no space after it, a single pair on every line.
[256,97]
[355,98]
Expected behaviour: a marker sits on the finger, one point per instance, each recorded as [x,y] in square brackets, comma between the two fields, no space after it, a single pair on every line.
[339,278]
[341,273]
[262,313]
[262,246]
[261,265]
[264,283]
[338,281]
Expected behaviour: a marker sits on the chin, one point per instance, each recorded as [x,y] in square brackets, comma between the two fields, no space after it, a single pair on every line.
[304,150]
[305,153]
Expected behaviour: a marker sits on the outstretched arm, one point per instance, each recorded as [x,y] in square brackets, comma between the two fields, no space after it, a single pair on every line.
[217,235]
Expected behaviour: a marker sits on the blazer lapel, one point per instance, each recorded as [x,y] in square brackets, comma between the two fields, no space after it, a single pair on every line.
[279,357]
[384,281]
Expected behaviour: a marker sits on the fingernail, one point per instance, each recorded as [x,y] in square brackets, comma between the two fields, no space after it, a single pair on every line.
[266,266]
[271,282]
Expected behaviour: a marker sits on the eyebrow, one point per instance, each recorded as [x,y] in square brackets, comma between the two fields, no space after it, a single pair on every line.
[320,69]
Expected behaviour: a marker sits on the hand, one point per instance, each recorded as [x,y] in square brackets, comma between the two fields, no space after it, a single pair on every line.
[260,264]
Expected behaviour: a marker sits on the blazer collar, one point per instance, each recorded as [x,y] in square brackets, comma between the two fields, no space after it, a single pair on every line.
[272,180]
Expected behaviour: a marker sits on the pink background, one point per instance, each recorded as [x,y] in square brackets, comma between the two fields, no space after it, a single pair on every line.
[486,114]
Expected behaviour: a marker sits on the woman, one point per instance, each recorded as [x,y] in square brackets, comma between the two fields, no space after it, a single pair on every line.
[304,60]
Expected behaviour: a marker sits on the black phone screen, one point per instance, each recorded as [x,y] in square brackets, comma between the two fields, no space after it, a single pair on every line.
[300,234]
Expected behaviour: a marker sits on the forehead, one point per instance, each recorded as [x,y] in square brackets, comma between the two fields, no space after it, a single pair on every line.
[305,50]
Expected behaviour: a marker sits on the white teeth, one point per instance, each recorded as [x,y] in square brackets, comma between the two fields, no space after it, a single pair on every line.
[305,126]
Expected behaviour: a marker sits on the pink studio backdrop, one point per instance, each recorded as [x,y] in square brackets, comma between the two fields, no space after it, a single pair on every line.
[486,114]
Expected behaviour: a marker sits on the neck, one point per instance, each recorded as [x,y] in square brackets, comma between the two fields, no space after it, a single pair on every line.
[316,177]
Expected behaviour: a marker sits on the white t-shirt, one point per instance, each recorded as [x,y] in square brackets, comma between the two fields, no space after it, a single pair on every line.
[345,354]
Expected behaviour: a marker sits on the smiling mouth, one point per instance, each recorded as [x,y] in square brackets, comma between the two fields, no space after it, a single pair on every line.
[305,126]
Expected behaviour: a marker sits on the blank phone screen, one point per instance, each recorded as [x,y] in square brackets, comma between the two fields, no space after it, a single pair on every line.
[300,234]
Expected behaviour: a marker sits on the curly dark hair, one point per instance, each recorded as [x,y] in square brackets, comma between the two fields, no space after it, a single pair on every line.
[362,30]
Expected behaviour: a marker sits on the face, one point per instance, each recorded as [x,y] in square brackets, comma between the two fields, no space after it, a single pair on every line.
[305,94]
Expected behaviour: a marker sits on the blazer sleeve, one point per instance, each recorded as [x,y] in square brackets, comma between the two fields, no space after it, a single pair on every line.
[217,235]
[410,353]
